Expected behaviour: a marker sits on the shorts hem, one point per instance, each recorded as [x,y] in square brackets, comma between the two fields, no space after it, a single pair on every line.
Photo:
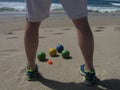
[78,17]
[36,19]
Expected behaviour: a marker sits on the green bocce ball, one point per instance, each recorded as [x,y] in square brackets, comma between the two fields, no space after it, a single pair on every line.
[65,54]
[41,56]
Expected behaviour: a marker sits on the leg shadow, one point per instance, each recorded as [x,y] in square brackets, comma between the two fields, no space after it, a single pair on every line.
[111,84]
[56,85]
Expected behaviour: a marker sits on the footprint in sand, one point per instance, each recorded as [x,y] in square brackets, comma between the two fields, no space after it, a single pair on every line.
[49,30]
[57,33]
[67,29]
[100,27]
[21,73]
[117,29]
[98,30]
[43,37]
[20,29]
[11,37]
[21,78]
[9,52]
[9,33]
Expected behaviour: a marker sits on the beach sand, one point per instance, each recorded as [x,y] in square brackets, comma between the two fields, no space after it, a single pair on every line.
[63,73]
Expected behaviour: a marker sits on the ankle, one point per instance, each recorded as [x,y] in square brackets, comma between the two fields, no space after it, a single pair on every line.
[89,68]
[31,67]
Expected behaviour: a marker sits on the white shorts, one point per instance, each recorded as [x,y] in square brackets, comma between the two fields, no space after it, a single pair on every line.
[38,10]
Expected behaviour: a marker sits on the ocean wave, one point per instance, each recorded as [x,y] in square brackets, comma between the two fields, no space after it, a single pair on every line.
[103,9]
[56,7]
[12,6]
[20,7]
[116,4]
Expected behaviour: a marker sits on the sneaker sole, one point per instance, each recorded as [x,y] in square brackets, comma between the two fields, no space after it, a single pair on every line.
[86,82]
[81,73]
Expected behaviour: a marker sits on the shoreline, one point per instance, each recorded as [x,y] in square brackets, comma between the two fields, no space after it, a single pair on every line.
[57,19]
[59,13]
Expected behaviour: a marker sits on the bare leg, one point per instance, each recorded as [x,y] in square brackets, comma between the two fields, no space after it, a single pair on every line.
[31,39]
[85,40]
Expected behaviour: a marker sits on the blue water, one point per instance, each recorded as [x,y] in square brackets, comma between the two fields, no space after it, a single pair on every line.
[93,6]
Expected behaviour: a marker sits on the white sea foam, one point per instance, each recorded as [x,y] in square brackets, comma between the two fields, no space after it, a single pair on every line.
[56,7]
[103,9]
[20,7]
[116,4]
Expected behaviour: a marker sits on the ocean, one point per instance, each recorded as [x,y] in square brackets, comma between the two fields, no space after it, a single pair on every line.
[102,6]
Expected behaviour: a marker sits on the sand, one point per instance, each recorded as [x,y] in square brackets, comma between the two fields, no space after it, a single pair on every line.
[63,73]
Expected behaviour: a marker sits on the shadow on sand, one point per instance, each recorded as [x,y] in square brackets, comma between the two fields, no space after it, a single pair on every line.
[111,84]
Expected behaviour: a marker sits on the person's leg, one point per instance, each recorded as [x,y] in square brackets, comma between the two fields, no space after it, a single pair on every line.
[31,39]
[36,11]
[85,40]
[77,11]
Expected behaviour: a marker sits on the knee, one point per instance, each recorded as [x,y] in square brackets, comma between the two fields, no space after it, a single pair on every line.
[82,24]
[32,27]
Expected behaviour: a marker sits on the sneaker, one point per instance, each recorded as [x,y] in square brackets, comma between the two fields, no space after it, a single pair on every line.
[89,76]
[32,75]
